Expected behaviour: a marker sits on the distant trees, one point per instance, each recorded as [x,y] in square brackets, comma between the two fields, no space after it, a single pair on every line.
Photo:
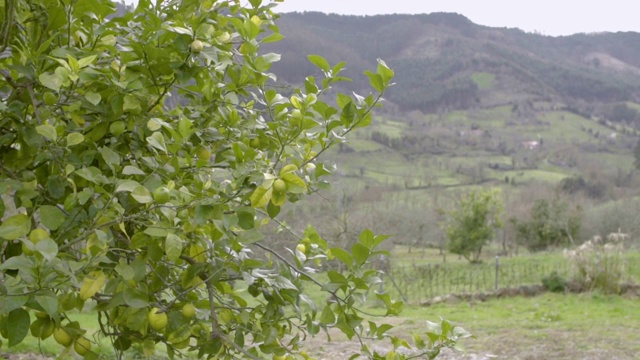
[473,222]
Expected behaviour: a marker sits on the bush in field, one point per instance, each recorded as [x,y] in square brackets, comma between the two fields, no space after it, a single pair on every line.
[550,224]
[598,263]
[473,222]
[554,282]
[142,157]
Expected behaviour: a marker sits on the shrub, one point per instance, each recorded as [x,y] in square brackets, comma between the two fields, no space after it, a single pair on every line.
[554,282]
[598,263]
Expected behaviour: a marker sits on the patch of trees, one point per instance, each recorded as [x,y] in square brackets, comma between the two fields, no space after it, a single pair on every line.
[576,184]
[550,225]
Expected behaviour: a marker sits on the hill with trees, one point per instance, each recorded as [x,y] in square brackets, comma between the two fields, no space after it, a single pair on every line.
[443,61]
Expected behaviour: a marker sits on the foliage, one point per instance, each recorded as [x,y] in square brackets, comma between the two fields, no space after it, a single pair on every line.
[554,282]
[142,156]
[598,263]
[473,222]
[550,225]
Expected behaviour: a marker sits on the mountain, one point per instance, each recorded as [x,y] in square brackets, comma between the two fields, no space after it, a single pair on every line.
[443,61]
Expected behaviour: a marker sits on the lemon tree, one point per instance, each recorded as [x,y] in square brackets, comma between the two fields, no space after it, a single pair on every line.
[142,157]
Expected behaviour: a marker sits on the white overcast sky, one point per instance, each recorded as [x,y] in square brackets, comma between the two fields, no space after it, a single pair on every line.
[549,17]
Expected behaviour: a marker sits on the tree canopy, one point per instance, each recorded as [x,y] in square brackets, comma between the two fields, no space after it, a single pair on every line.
[143,157]
[473,222]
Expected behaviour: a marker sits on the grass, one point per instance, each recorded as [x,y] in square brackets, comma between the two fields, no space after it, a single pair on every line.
[549,326]
[483,80]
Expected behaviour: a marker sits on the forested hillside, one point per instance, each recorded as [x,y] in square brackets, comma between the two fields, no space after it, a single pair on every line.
[444,61]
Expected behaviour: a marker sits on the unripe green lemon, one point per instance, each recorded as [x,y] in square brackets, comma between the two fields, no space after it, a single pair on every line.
[302,248]
[157,321]
[203,153]
[197,46]
[82,346]
[279,186]
[38,234]
[62,337]
[161,195]
[189,311]
[42,328]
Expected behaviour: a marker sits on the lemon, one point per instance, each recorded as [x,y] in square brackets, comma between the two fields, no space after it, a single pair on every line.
[42,328]
[82,346]
[301,248]
[161,195]
[62,337]
[157,321]
[189,311]
[203,153]
[197,46]
[279,186]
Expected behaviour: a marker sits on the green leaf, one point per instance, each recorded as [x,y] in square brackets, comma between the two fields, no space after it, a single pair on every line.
[15,227]
[49,303]
[360,253]
[181,334]
[92,174]
[376,81]
[367,238]
[131,104]
[91,284]
[348,114]
[51,81]
[74,139]
[320,62]
[110,156]
[127,186]
[272,210]
[47,248]
[142,195]
[250,236]
[294,183]
[16,263]
[157,141]
[386,74]
[84,62]
[51,216]
[279,199]
[173,247]
[261,196]
[48,131]
[246,218]
[135,298]
[327,317]
[343,256]
[132,170]
[10,303]
[275,37]
[20,321]
[93,98]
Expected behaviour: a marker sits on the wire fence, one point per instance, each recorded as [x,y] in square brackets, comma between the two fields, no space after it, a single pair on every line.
[416,283]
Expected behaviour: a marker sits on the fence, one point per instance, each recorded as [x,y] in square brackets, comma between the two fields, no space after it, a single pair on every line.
[420,282]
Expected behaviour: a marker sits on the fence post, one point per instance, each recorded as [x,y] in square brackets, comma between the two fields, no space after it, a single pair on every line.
[497,270]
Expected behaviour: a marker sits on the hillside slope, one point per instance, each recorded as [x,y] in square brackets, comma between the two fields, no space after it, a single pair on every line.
[444,61]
